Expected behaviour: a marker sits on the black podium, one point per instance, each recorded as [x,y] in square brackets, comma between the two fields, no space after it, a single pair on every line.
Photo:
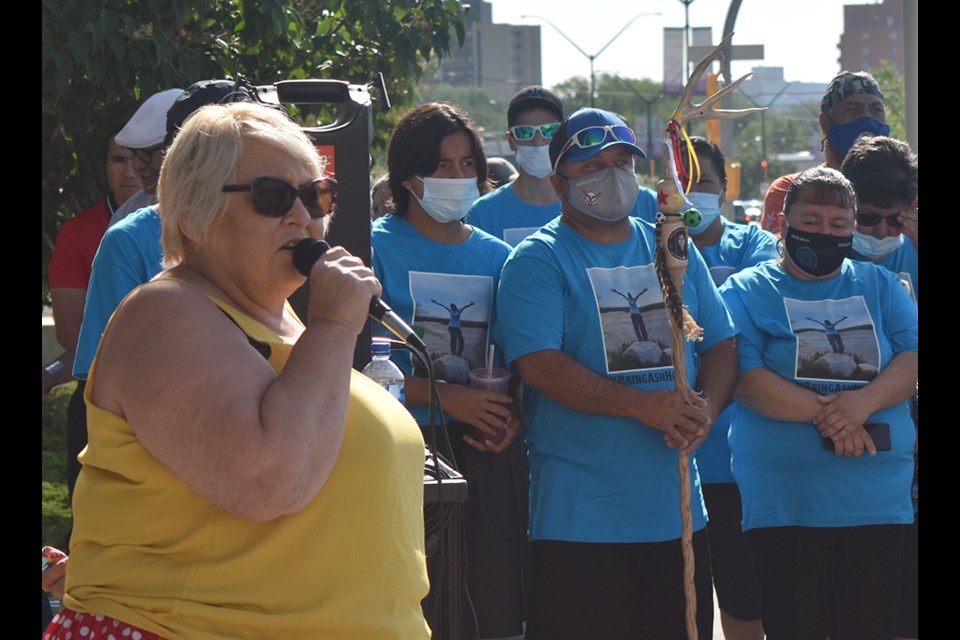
[444,606]
[344,148]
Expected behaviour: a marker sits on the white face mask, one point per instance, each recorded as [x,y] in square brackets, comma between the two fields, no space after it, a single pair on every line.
[535,160]
[448,199]
[708,204]
[608,194]
[873,249]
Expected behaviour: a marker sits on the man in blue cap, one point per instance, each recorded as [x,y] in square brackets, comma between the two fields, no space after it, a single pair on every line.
[603,420]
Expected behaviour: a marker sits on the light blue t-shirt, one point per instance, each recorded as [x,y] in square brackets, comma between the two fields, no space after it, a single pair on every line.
[596,478]
[129,255]
[905,263]
[740,246]
[446,293]
[505,215]
[785,475]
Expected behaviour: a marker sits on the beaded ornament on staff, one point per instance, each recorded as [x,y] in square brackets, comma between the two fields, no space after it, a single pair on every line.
[671,265]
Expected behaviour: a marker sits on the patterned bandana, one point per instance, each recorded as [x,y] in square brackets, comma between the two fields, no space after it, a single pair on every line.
[847,84]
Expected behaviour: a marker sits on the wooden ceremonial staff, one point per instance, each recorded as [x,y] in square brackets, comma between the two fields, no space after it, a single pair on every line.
[671,264]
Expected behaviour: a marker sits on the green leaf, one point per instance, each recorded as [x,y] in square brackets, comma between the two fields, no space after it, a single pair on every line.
[117,44]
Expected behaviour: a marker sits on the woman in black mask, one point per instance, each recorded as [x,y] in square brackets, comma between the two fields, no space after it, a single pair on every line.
[826,521]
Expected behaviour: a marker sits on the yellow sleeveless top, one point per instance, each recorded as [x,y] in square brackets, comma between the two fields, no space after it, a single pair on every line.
[149,551]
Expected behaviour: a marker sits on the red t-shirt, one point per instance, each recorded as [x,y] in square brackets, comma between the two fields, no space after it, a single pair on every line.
[77,244]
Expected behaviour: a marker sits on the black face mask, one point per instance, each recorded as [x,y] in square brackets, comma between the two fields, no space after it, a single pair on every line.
[818,254]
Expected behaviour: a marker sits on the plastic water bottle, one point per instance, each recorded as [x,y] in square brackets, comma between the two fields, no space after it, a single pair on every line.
[382,370]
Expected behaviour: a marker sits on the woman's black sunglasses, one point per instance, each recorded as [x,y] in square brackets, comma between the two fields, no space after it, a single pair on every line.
[273,197]
[871,219]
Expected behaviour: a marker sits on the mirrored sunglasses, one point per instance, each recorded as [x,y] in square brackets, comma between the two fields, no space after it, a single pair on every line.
[273,197]
[871,219]
[527,131]
[590,137]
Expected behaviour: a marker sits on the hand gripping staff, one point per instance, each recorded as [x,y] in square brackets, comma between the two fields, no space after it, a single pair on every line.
[671,264]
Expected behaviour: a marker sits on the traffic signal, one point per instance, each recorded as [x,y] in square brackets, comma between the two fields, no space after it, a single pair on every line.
[733,179]
[713,125]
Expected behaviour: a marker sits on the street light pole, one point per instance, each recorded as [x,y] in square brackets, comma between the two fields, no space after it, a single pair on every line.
[686,39]
[591,58]
[648,102]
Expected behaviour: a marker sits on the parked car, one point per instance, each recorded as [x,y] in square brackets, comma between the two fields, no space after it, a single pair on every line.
[747,211]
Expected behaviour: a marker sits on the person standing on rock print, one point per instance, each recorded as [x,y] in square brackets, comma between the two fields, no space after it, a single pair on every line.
[639,327]
[453,326]
[833,336]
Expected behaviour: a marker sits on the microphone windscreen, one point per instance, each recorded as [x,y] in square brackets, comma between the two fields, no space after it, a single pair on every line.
[306,253]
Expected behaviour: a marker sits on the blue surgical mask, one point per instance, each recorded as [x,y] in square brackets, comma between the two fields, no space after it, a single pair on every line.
[448,199]
[708,204]
[873,249]
[842,136]
[608,194]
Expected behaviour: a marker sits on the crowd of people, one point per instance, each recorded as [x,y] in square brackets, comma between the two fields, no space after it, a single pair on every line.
[236,477]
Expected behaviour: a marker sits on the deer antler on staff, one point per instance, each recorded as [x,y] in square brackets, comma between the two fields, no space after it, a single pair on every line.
[676,212]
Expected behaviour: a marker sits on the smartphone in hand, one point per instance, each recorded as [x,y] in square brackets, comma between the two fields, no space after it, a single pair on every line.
[879,432]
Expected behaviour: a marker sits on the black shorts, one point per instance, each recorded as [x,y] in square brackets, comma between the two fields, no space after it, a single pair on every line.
[908,621]
[818,582]
[735,574]
[616,591]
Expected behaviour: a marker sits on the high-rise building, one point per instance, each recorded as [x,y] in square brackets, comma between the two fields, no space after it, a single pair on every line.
[872,33]
[501,58]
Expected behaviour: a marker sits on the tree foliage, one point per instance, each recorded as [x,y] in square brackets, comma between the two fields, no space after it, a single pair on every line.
[485,108]
[891,83]
[101,58]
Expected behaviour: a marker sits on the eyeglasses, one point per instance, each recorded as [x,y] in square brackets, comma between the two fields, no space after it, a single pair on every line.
[526,132]
[595,136]
[143,155]
[871,219]
[273,197]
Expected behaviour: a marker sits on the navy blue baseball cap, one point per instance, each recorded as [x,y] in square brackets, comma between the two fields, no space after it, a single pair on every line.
[534,97]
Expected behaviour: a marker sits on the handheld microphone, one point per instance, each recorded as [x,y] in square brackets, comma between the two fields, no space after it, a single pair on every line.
[305,255]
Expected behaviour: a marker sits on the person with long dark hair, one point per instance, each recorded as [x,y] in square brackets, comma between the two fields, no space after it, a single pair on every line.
[425,252]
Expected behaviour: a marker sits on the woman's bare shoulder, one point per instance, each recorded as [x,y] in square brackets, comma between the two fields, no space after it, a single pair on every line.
[164,327]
